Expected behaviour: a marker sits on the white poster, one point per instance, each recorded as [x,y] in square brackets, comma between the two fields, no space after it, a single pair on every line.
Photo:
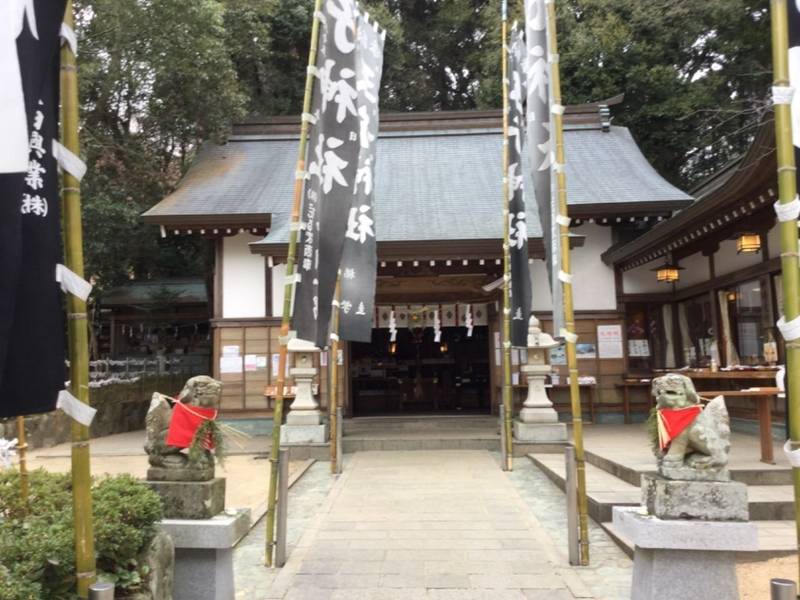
[609,341]
[230,351]
[638,348]
[230,364]
[250,362]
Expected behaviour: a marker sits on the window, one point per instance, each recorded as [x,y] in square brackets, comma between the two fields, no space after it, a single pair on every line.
[696,324]
[746,311]
[650,335]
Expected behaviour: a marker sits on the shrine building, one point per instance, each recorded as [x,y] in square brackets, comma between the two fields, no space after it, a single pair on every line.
[438,203]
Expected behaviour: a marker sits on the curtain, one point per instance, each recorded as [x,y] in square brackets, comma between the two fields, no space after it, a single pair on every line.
[669,358]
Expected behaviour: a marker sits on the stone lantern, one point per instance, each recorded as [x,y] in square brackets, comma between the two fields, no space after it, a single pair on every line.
[304,423]
[538,420]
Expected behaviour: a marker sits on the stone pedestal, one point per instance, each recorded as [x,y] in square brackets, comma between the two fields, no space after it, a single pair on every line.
[204,554]
[191,499]
[538,420]
[703,500]
[304,424]
[691,560]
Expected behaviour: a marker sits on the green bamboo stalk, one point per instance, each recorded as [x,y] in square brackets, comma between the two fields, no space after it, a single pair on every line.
[77,324]
[22,450]
[787,190]
[333,366]
[569,313]
[288,291]
[508,405]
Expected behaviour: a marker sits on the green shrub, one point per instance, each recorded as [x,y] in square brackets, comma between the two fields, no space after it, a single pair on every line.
[37,556]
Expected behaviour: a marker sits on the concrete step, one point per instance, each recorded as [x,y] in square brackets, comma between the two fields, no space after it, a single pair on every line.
[420,424]
[605,490]
[364,444]
[775,538]
[632,472]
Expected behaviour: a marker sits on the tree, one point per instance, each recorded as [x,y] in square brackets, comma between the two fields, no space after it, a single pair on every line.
[156,80]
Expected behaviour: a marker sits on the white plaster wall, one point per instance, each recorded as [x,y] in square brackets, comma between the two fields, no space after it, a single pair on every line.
[278,286]
[642,280]
[774,241]
[243,279]
[727,261]
[593,281]
[697,271]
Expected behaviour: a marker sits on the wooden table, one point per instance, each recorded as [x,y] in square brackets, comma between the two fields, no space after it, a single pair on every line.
[763,396]
[626,401]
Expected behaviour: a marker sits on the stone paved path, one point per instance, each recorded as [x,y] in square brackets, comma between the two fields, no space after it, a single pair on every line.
[444,524]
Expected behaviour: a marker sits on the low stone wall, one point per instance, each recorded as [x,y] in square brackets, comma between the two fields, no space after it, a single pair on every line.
[120,407]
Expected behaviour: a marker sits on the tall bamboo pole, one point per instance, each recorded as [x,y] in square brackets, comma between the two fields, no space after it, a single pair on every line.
[288,289]
[787,190]
[333,366]
[22,447]
[569,313]
[508,407]
[77,323]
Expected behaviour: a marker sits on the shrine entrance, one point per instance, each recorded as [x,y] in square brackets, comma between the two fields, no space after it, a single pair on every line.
[416,374]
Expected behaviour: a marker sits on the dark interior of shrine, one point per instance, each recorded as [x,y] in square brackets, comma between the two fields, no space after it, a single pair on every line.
[416,374]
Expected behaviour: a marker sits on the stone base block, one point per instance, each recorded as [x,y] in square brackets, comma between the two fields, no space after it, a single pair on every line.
[685,473]
[704,500]
[180,474]
[191,499]
[539,414]
[540,432]
[310,417]
[204,555]
[691,560]
[304,434]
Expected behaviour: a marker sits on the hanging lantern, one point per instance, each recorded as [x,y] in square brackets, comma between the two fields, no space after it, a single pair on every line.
[668,272]
[748,243]
[393,348]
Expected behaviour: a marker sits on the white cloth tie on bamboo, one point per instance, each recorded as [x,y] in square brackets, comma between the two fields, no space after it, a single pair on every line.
[789,211]
[7,452]
[296,226]
[68,35]
[309,118]
[68,161]
[334,337]
[563,220]
[572,338]
[557,109]
[73,283]
[293,278]
[793,456]
[564,277]
[82,413]
[559,167]
[782,94]
[789,330]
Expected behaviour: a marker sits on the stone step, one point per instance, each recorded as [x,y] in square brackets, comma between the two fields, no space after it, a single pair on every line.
[604,491]
[633,471]
[765,502]
[420,424]
[775,538]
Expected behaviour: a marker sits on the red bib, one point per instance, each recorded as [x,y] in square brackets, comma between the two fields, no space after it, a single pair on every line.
[185,422]
[672,422]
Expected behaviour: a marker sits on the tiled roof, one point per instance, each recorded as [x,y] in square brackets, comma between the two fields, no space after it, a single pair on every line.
[430,185]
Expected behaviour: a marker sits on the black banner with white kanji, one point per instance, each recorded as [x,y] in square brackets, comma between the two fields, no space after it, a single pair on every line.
[332,164]
[32,339]
[359,259]
[541,149]
[517,222]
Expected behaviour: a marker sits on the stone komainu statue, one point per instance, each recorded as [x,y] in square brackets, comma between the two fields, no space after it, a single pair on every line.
[700,450]
[168,462]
